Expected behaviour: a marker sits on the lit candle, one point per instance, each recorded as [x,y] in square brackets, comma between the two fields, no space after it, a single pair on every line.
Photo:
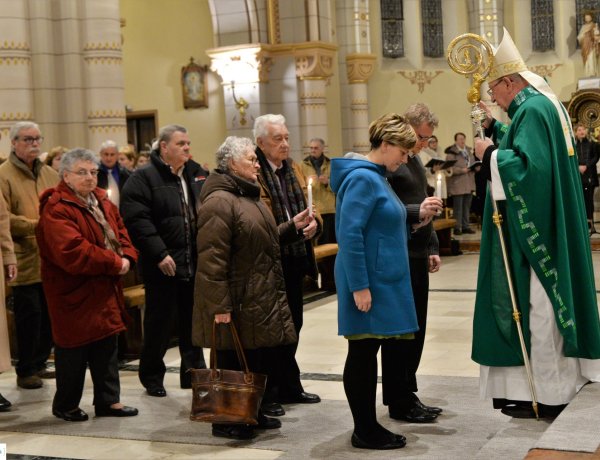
[109,193]
[438,186]
[310,210]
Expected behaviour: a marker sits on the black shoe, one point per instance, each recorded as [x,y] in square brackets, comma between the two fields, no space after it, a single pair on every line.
[301,398]
[458,232]
[429,409]
[75,415]
[233,431]
[395,441]
[186,386]
[518,411]
[107,411]
[268,423]
[158,392]
[273,409]
[4,404]
[468,230]
[412,415]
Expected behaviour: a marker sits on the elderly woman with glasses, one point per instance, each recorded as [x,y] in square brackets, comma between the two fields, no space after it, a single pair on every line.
[85,249]
[239,276]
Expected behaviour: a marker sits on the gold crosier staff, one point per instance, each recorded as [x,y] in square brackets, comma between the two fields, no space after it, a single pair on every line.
[471,55]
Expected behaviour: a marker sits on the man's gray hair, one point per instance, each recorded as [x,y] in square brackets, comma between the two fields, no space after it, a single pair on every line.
[108,144]
[73,156]
[166,132]
[261,123]
[319,140]
[234,148]
[419,113]
[20,126]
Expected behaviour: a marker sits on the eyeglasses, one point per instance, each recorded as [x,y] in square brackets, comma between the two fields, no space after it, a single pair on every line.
[30,140]
[85,172]
[490,91]
[254,161]
[423,138]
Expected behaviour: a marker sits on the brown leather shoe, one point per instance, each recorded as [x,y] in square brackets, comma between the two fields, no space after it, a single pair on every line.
[31,382]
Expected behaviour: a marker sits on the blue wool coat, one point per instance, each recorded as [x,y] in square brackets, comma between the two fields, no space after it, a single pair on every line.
[370,223]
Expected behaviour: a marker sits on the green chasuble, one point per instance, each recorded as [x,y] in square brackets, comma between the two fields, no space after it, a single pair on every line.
[545,229]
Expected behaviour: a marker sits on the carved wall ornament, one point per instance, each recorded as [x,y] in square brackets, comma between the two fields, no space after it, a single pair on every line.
[98,114]
[544,70]
[360,67]
[16,116]
[315,63]
[113,46]
[12,46]
[420,77]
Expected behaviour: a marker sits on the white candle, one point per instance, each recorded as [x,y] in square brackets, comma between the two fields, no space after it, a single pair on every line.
[109,193]
[438,186]
[310,210]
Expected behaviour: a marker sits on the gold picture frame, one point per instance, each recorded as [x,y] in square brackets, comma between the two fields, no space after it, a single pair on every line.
[194,85]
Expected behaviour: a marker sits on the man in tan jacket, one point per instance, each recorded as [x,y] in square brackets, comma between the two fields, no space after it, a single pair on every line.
[22,178]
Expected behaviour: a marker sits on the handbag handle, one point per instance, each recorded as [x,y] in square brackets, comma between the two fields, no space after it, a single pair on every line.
[237,344]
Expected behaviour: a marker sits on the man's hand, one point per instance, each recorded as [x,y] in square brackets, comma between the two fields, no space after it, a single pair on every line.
[323,179]
[434,263]
[10,272]
[481,145]
[488,112]
[582,168]
[430,207]
[311,229]
[125,265]
[362,299]
[301,220]
[167,266]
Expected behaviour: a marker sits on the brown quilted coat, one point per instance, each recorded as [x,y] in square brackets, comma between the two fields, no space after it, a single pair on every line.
[239,268]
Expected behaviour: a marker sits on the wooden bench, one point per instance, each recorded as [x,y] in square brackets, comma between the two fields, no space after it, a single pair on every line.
[443,228]
[131,341]
[325,257]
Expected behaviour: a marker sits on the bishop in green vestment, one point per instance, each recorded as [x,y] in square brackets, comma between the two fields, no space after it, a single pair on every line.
[535,180]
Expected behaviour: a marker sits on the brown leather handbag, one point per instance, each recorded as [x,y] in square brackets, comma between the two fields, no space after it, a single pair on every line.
[224,395]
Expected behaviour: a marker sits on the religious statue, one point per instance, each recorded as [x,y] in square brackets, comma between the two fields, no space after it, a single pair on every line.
[589,40]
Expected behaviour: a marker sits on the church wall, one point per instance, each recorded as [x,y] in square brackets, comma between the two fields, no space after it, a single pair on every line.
[159,38]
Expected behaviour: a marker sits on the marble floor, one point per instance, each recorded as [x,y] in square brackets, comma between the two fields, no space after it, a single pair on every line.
[321,352]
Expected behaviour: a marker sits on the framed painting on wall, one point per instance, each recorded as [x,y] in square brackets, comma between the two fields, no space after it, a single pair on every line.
[193,85]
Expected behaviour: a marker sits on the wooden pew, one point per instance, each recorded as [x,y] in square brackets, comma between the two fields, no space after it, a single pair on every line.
[325,256]
[443,228]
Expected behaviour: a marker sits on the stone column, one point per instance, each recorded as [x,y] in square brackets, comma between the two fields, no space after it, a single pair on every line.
[359,68]
[314,67]
[16,95]
[103,73]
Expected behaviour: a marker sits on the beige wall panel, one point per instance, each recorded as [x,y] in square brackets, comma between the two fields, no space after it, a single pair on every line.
[159,40]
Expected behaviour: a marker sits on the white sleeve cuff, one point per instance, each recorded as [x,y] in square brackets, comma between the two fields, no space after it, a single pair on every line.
[497,189]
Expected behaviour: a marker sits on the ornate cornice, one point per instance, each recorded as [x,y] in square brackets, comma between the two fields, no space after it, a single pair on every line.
[274,30]
[107,128]
[360,67]
[16,116]
[12,46]
[106,114]
[103,60]
[420,77]
[544,70]
[113,46]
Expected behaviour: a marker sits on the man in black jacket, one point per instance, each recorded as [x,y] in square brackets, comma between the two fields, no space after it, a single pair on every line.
[588,153]
[410,184]
[159,209]
[111,176]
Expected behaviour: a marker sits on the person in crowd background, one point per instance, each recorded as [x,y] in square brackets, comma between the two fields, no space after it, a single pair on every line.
[127,158]
[588,154]
[142,159]
[461,184]
[375,301]
[54,156]
[317,166]
[410,184]
[431,151]
[8,272]
[535,182]
[238,241]
[111,176]
[22,178]
[85,249]
[283,191]
[158,204]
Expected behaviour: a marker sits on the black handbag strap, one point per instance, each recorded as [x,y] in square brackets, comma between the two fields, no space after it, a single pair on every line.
[236,344]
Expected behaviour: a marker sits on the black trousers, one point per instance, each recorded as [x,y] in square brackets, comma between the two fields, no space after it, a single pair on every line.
[284,373]
[411,350]
[588,199]
[168,300]
[101,356]
[360,379]
[32,324]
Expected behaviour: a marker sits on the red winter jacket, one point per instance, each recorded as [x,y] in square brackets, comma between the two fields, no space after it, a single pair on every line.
[79,274]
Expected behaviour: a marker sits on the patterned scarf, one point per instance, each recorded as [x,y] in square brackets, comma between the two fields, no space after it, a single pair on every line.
[294,195]
[110,239]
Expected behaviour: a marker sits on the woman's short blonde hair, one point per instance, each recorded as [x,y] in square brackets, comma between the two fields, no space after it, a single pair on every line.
[54,152]
[128,151]
[393,129]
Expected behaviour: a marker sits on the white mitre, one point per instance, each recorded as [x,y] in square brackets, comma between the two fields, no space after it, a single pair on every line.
[508,60]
